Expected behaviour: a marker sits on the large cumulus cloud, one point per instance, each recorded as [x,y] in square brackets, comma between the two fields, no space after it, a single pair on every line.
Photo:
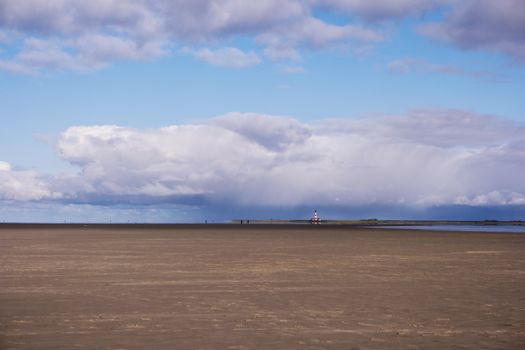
[425,158]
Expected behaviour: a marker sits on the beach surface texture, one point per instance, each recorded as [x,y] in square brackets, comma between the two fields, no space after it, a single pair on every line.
[259,287]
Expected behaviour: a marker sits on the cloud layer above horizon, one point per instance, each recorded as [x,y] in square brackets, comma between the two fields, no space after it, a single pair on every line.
[422,159]
[56,35]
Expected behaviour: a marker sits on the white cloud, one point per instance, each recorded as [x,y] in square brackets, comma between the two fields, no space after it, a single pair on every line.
[440,128]
[104,48]
[425,158]
[22,185]
[314,33]
[288,69]
[16,67]
[407,65]
[274,133]
[4,166]
[71,16]
[205,19]
[86,35]
[83,53]
[492,198]
[172,161]
[227,57]
[276,53]
[497,26]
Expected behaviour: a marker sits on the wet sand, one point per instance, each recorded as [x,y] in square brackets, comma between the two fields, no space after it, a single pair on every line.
[259,287]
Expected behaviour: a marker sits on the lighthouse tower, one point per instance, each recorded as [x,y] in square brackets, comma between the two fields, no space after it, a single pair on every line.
[315,220]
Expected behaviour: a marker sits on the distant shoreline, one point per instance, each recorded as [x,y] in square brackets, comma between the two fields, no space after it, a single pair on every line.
[273,223]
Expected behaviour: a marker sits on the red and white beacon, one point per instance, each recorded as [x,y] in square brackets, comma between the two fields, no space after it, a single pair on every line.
[315,220]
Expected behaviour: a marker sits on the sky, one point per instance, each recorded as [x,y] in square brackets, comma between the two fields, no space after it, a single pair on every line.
[194,110]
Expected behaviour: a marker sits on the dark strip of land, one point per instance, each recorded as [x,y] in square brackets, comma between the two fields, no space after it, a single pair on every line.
[376,222]
[259,287]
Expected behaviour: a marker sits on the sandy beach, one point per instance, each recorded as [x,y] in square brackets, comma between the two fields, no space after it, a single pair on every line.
[259,287]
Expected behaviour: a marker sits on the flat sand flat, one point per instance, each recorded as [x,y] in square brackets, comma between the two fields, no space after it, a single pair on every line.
[259,287]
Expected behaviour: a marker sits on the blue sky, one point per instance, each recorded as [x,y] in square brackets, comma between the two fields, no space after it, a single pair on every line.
[120,106]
